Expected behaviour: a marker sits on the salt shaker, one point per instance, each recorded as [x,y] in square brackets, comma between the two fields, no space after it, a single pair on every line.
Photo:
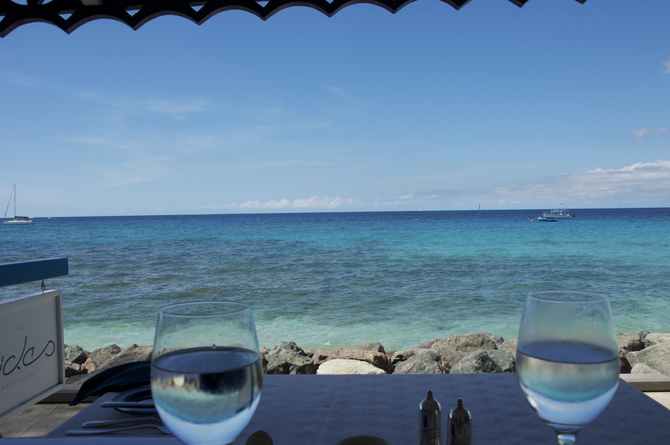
[459,426]
[430,421]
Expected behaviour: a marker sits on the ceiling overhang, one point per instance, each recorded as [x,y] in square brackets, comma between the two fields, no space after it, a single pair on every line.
[68,15]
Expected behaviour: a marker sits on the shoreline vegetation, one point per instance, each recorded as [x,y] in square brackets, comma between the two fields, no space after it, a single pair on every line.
[643,353]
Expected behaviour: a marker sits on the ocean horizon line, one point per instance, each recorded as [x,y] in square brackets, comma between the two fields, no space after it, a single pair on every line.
[330,211]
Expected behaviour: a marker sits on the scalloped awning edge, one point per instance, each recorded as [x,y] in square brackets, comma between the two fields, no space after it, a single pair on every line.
[69,15]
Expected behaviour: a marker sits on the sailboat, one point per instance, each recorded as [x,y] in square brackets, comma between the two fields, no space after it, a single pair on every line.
[18,220]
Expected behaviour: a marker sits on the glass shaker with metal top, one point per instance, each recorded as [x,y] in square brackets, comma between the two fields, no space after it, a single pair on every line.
[430,421]
[459,426]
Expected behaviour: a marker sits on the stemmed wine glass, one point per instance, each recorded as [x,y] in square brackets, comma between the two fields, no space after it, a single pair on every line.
[206,373]
[567,358]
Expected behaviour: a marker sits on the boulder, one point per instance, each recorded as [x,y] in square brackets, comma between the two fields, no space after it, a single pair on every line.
[376,347]
[654,339]
[628,342]
[401,356]
[455,347]
[89,365]
[509,346]
[100,356]
[132,353]
[73,369]
[503,359]
[289,358]
[264,357]
[378,359]
[427,344]
[478,362]
[657,357]
[74,354]
[345,366]
[641,368]
[423,361]
[498,340]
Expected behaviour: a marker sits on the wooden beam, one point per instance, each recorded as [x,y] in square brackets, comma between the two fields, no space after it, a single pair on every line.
[27,271]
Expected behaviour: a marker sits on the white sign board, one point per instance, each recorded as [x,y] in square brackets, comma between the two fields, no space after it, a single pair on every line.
[31,350]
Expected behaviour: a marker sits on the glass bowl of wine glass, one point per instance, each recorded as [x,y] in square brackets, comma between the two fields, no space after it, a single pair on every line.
[206,373]
[567,358]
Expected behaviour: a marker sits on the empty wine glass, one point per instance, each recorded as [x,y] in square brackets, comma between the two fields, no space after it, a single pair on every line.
[206,372]
[567,358]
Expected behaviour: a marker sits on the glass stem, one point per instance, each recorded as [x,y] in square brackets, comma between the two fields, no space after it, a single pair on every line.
[566,439]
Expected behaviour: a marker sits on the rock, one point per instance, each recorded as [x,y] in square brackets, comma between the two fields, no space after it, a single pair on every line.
[423,361]
[289,358]
[132,353]
[378,359]
[401,356]
[657,357]
[455,347]
[503,359]
[264,359]
[73,369]
[376,347]
[427,344]
[628,342]
[74,354]
[641,368]
[510,347]
[100,356]
[478,362]
[498,340]
[345,366]
[654,339]
[89,365]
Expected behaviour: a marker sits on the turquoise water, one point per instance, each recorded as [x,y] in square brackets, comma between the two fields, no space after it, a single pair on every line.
[341,279]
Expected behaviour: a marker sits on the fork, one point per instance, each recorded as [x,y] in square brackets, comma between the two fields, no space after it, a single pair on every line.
[162,429]
[120,422]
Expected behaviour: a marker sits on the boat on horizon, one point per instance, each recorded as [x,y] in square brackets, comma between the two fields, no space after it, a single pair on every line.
[557,214]
[18,220]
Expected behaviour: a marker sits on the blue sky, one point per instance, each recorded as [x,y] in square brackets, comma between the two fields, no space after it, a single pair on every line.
[430,108]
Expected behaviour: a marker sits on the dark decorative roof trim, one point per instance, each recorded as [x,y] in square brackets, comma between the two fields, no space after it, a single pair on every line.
[69,15]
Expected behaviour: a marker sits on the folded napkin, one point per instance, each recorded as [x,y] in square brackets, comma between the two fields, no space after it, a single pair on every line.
[117,379]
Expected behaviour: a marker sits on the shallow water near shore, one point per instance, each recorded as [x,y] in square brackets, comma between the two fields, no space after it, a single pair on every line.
[341,279]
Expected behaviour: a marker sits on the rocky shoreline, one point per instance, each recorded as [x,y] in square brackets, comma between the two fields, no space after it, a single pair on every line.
[643,353]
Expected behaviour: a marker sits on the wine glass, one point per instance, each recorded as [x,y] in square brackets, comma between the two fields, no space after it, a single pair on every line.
[567,358]
[206,373]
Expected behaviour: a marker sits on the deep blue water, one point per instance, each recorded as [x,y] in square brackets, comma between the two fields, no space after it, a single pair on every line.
[340,279]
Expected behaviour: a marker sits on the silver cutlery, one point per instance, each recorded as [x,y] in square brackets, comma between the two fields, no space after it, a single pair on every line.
[96,423]
[162,429]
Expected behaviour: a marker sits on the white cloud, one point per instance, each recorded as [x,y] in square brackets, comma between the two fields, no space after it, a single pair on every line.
[642,180]
[314,203]
[644,132]
[666,66]
[638,184]
[410,196]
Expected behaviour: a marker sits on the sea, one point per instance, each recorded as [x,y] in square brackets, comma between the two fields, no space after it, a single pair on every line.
[343,279]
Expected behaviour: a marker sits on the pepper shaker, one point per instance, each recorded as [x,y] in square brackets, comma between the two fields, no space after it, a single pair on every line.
[459,426]
[430,421]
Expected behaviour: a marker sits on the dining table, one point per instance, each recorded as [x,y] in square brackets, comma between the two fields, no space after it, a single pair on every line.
[324,409]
